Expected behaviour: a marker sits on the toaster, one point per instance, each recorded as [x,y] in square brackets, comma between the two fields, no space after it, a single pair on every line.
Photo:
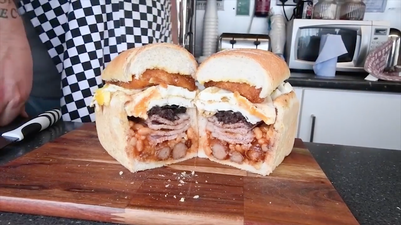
[239,40]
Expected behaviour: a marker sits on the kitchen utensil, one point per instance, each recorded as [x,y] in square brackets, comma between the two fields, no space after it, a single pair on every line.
[34,125]
[74,177]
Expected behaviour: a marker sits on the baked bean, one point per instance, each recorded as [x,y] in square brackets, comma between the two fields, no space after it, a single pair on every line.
[139,145]
[190,133]
[231,147]
[258,133]
[261,141]
[138,126]
[142,137]
[188,143]
[264,148]
[132,141]
[238,148]
[144,131]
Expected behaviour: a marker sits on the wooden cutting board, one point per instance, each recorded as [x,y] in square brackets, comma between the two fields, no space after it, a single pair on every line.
[74,177]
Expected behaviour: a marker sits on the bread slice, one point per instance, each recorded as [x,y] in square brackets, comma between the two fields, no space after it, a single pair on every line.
[282,137]
[171,58]
[258,68]
[117,137]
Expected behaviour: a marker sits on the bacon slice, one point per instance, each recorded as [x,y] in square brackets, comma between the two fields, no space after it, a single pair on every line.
[164,130]
[239,133]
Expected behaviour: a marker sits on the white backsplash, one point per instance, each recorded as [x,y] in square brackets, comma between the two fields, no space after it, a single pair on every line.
[229,22]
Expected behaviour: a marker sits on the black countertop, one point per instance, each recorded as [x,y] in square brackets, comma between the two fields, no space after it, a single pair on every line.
[347,81]
[368,180]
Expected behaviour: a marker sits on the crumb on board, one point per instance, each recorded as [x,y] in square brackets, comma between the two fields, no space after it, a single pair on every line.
[182,182]
[167,185]
[165,195]
[121,173]
[175,196]
[182,199]
[193,173]
[196,196]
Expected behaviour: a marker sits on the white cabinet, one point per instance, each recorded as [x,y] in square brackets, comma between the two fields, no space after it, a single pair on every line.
[355,118]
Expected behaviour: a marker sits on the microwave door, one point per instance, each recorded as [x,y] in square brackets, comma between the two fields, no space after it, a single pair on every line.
[365,34]
[357,50]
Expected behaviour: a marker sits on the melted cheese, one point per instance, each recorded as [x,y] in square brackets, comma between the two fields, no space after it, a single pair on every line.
[213,99]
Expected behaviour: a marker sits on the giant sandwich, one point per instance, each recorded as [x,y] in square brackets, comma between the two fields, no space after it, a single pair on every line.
[247,112]
[145,115]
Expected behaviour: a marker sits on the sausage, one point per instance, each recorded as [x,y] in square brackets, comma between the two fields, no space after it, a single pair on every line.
[255,153]
[219,150]
[163,153]
[236,157]
[179,150]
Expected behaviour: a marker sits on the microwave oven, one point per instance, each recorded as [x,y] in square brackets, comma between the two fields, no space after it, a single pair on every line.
[359,37]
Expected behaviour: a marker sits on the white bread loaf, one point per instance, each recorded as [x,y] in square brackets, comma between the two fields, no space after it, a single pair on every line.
[123,127]
[276,138]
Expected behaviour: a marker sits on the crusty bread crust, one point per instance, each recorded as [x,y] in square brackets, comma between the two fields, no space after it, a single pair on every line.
[113,131]
[283,137]
[271,71]
[169,57]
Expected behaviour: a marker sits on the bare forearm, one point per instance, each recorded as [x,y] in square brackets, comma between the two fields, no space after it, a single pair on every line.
[11,24]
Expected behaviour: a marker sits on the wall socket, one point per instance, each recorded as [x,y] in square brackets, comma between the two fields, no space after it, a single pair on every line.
[288,3]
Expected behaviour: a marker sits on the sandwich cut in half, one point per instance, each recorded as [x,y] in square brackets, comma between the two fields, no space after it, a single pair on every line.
[248,114]
[145,114]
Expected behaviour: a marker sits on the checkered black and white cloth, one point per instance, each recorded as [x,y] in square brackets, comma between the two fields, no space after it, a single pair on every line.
[83,36]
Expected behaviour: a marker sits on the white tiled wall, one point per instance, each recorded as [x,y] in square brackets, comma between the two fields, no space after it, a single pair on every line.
[229,22]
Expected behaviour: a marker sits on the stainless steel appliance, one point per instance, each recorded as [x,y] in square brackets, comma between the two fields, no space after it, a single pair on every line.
[186,14]
[359,37]
[239,40]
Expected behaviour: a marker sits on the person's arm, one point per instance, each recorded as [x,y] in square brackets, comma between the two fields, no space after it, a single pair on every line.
[15,63]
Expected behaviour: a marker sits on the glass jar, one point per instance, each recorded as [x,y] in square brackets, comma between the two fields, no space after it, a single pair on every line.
[325,9]
[352,10]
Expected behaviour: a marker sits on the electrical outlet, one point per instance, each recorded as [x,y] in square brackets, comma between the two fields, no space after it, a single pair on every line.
[287,3]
